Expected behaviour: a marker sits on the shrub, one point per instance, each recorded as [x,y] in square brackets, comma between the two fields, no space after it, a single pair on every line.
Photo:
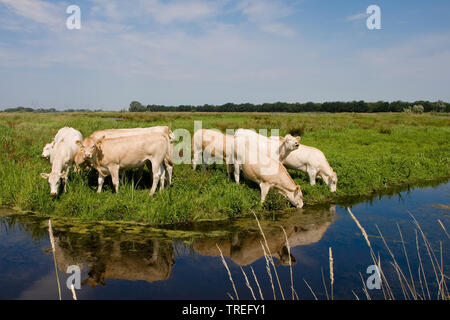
[417,109]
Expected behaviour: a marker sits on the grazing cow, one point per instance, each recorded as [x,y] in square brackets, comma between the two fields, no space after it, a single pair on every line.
[62,158]
[268,173]
[48,148]
[108,156]
[312,161]
[278,148]
[214,144]
[116,133]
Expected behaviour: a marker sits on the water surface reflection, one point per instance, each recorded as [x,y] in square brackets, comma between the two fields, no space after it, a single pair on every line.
[132,261]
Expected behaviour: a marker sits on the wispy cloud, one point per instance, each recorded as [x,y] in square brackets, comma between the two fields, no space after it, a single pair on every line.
[267,15]
[356,17]
[263,11]
[180,10]
[278,29]
[36,10]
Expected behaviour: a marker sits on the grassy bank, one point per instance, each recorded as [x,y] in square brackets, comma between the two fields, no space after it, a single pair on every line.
[370,152]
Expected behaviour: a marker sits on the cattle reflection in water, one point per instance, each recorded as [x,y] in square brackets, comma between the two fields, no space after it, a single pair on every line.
[150,261]
[112,252]
[244,247]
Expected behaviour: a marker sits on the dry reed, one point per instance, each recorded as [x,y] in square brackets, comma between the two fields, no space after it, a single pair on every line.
[228,270]
[52,242]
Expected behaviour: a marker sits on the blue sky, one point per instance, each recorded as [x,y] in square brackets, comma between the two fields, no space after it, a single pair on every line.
[216,51]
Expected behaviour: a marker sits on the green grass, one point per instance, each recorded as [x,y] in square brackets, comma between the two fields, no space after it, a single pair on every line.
[370,153]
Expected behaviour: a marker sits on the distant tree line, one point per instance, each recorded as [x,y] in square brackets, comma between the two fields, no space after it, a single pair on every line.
[49,110]
[336,106]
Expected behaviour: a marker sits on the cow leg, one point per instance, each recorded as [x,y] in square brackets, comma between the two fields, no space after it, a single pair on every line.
[162,177]
[197,152]
[229,171]
[265,187]
[236,172]
[100,181]
[115,177]
[203,162]
[312,176]
[156,176]
[169,171]
[228,162]
[194,161]
[66,176]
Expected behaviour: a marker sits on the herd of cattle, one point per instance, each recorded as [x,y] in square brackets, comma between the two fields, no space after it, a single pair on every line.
[262,159]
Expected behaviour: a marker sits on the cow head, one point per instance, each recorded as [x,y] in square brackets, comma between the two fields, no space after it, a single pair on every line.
[297,200]
[47,150]
[89,147]
[54,180]
[332,182]
[291,143]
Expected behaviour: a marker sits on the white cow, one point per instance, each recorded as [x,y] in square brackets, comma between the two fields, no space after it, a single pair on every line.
[312,161]
[108,156]
[62,158]
[277,148]
[116,133]
[268,173]
[48,148]
[210,143]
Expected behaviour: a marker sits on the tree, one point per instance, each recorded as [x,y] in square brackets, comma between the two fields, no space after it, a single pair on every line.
[136,106]
[439,106]
[417,108]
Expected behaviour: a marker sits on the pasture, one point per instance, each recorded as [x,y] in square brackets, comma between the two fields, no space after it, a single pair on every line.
[371,153]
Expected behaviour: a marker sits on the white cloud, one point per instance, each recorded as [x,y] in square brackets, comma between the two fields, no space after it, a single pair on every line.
[264,11]
[358,16]
[278,29]
[180,10]
[36,10]
[266,14]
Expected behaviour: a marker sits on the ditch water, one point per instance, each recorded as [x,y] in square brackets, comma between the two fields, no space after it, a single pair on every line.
[138,262]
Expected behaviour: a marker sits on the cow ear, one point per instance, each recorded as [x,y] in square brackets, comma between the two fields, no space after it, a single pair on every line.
[78,142]
[99,142]
[44,175]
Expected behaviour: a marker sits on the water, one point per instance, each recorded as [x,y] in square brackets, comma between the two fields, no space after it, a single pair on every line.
[136,262]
